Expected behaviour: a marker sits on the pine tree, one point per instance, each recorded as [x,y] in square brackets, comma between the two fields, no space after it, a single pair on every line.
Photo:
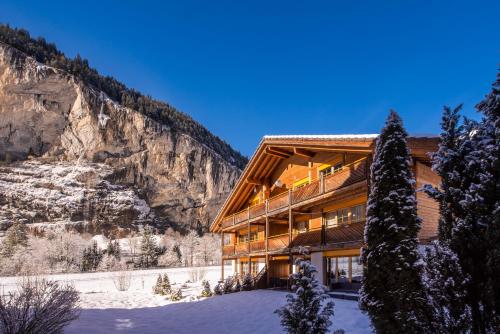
[227,286]
[157,289]
[237,284]
[392,291]
[477,236]
[150,251]
[113,249]
[176,295]
[219,289]
[446,285]
[247,284]
[166,288]
[305,312]
[206,292]
[16,236]
[91,257]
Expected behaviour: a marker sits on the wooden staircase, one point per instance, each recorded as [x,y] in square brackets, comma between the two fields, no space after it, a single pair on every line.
[260,280]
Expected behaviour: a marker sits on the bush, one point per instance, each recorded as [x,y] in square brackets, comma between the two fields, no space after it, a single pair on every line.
[219,289]
[227,287]
[38,307]
[166,288]
[157,288]
[237,285]
[206,292]
[122,280]
[176,295]
[248,282]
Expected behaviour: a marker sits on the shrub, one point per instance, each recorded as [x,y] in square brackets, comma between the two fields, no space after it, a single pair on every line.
[248,282]
[176,295]
[227,287]
[219,289]
[122,280]
[166,288]
[38,307]
[157,288]
[206,292]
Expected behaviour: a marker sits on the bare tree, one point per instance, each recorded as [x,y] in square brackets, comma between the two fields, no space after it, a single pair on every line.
[207,249]
[38,307]
[188,247]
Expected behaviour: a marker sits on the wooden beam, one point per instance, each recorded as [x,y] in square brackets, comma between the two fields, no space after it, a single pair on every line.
[303,152]
[277,154]
[280,150]
[254,181]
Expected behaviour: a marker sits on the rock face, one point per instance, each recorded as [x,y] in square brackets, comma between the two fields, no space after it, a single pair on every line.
[56,122]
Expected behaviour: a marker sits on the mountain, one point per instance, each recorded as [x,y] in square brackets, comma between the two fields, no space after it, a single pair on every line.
[83,151]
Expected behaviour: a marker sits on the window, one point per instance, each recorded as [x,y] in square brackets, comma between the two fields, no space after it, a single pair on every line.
[227,239]
[301,183]
[244,237]
[358,213]
[302,226]
[343,216]
[331,219]
[329,170]
[337,167]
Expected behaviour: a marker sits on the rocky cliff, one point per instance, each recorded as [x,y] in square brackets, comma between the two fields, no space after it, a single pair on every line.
[83,151]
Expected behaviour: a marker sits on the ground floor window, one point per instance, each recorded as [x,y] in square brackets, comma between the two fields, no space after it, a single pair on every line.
[343,270]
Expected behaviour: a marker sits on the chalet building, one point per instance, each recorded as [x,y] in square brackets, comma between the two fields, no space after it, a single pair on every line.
[310,191]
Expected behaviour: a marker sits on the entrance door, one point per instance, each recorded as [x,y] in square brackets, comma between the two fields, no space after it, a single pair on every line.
[343,272]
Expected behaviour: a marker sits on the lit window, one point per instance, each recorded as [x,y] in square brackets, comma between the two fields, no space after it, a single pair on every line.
[342,216]
[331,219]
[302,226]
[358,213]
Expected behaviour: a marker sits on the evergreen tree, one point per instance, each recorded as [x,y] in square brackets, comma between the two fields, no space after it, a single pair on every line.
[392,291]
[91,258]
[176,295]
[113,249]
[166,288]
[445,284]
[477,236]
[219,289]
[237,284]
[305,312]
[157,289]
[150,251]
[16,236]
[247,284]
[206,292]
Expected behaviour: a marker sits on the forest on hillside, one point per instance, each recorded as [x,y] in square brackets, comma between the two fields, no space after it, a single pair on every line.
[47,53]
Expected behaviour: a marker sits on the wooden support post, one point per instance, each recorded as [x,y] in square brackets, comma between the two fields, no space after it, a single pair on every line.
[323,228]
[248,234]
[350,269]
[321,184]
[266,236]
[222,255]
[290,226]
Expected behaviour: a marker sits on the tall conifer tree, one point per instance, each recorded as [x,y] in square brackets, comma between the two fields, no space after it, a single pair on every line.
[392,291]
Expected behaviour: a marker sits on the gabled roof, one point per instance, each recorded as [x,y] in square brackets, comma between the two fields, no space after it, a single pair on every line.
[272,149]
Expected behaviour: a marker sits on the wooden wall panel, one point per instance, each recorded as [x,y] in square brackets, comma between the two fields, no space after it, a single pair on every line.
[427,208]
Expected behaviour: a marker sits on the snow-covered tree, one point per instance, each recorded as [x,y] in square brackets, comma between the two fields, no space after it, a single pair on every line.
[247,283]
[113,249]
[157,289]
[91,257]
[16,236]
[207,249]
[189,247]
[219,289]
[176,295]
[307,311]
[392,292]
[445,285]
[150,251]
[206,292]
[166,288]
[449,163]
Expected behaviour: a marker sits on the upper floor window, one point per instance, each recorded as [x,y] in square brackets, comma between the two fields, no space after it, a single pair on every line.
[227,239]
[301,183]
[330,170]
[358,213]
[302,226]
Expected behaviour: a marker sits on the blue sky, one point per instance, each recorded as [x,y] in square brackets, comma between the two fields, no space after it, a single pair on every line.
[249,68]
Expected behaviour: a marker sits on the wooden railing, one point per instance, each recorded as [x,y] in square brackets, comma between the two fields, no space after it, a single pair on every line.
[278,202]
[228,250]
[257,245]
[241,248]
[278,242]
[349,174]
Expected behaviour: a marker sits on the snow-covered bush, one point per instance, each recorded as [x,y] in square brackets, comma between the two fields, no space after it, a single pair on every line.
[227,287]
[162,286]
[307,311]
[169,259]
[38,307]
[176,295]
[157,286]
[122,280]
[248,282]
[219,289]
[206,292]
[237,284]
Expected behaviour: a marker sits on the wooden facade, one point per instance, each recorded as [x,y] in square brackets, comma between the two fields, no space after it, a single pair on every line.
[310,192]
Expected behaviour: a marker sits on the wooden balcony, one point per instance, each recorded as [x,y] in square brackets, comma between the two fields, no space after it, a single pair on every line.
[228,250]
[241,248]
[278,242]
[348,175]
[257,246]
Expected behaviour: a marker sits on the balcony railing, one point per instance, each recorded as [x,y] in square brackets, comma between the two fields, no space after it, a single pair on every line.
[257,245]
[278,242]
[228,250]
[348,175]
[241,248]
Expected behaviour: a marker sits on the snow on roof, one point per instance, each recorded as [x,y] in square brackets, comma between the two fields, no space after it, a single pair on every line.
[324,137]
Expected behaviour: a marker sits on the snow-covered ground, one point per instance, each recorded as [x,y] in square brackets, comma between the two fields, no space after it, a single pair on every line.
[138,310]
